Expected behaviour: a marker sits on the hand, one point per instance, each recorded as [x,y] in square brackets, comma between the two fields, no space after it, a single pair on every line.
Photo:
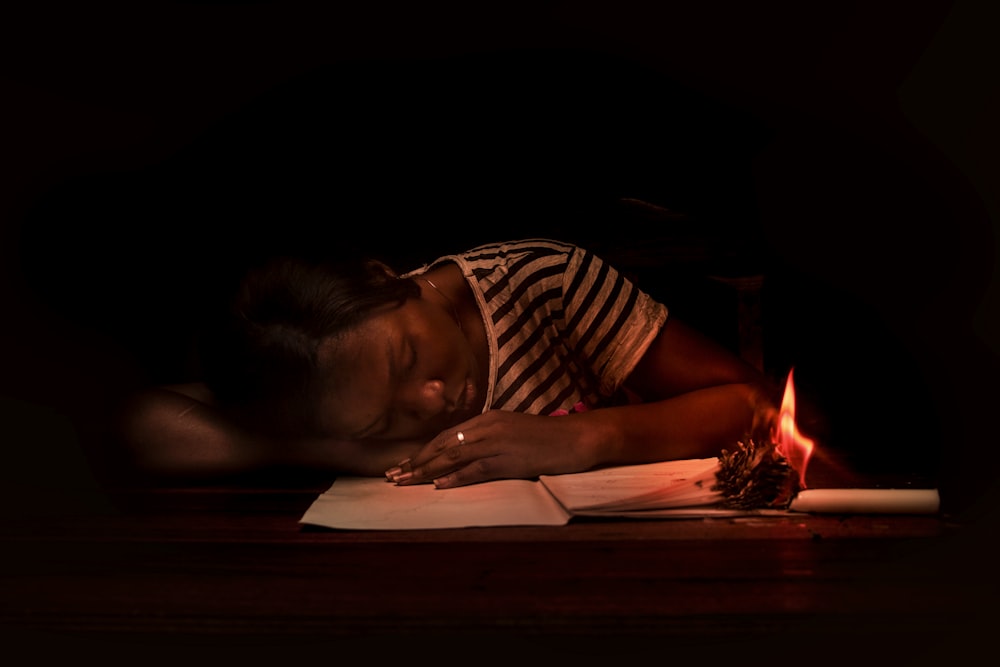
[497,445]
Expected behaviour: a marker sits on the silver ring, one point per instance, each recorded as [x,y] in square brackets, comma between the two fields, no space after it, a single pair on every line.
[461,437]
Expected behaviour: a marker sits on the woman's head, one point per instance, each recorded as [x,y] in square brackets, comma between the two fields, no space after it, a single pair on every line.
[261,359]
[404,373]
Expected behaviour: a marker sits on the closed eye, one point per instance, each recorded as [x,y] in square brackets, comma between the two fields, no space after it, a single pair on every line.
[399,371]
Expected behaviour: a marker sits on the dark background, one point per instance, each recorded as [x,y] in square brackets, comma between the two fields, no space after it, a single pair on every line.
[845,151]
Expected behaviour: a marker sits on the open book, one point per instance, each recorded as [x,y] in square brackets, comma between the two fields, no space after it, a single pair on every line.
[669,489]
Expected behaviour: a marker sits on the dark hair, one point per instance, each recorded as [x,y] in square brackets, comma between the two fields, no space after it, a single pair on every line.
[260,357]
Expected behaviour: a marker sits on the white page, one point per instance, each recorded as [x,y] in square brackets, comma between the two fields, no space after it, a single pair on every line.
[371,503]
[609,487]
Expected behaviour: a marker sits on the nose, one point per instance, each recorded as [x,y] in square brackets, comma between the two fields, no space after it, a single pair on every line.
[426,399]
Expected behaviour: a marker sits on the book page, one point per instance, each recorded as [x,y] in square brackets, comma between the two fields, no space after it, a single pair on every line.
[371,503]
[699,512]
[663,485]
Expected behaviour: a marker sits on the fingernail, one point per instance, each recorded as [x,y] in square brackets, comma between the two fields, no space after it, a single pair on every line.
[403,477]
[392,473]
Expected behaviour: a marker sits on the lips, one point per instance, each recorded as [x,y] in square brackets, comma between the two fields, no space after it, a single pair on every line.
[462,402]
[471,396]
[465,402]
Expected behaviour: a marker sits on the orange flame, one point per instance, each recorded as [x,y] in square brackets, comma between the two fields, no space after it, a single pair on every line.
[791,444]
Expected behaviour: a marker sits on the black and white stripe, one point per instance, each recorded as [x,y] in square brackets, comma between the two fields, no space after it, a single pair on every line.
[568,327]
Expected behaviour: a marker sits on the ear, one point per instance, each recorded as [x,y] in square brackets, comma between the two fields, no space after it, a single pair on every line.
[376,266]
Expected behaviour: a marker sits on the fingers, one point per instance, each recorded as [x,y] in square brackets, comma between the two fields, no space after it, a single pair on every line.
[479,470]
[494,445]
[401,472]
[443,461]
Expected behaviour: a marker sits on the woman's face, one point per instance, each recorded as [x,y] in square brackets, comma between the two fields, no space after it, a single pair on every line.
[404,373]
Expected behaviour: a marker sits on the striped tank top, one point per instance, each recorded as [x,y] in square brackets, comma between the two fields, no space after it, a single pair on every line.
[564,327]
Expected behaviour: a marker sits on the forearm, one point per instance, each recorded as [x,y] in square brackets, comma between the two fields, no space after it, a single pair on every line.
[697,424]
[168,434]
[499,444]
[171,435]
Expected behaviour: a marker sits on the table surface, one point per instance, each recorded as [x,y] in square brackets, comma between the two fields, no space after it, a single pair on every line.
[231,569]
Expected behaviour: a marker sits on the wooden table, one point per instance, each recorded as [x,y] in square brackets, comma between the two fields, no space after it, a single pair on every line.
[230,571]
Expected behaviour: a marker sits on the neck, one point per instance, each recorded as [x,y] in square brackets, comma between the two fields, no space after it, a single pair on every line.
[451,304]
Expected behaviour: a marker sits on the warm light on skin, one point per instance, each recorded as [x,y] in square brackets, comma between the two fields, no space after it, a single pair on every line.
[412,374]
[794,446]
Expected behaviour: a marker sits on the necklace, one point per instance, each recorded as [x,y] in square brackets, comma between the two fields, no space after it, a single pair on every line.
[451,304]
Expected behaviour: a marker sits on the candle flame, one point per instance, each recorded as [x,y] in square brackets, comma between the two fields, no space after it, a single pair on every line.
[792,444]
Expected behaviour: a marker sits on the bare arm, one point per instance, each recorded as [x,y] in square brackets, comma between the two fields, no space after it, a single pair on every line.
[176,432]
[698,399]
